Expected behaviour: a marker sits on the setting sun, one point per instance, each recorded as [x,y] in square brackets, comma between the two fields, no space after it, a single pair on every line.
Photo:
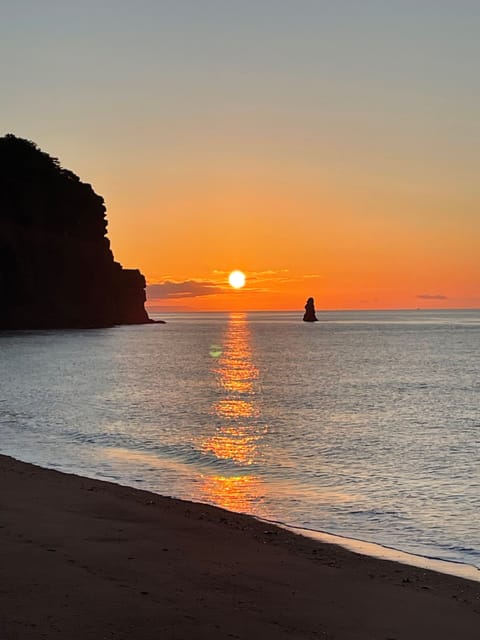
[236,279]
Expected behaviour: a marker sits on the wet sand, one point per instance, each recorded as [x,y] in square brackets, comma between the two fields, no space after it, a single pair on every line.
[85,559]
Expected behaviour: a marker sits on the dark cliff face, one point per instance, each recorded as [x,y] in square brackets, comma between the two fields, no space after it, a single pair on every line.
[56,266]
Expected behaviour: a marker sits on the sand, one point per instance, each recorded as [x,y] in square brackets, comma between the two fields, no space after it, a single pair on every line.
[87,559]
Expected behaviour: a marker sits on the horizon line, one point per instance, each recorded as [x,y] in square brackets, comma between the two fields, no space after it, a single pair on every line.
[173,310]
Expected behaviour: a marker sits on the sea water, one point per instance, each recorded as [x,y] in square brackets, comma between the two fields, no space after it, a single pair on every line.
[365,424]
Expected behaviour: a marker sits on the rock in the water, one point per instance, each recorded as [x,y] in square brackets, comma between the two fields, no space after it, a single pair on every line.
[309,315]
[56,266]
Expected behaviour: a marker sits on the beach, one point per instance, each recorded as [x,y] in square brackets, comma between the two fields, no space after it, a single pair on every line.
[83,558]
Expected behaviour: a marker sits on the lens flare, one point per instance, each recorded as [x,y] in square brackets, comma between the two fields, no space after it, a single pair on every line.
[215,351]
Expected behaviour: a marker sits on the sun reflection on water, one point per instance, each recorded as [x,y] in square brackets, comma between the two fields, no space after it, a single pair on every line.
[237,437]
[236,493]
[235,409]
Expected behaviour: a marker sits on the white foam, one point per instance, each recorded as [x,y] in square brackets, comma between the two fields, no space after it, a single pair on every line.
[461,570]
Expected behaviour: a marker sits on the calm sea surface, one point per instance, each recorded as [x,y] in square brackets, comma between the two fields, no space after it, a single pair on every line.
[365,424]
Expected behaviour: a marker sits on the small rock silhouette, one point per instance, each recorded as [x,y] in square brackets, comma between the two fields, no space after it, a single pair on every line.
[309,315]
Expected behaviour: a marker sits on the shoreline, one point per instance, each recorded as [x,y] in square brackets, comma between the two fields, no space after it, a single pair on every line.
[383,552]
[85,558]
[359,546]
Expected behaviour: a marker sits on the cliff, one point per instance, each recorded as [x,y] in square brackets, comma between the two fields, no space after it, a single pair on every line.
[56,266]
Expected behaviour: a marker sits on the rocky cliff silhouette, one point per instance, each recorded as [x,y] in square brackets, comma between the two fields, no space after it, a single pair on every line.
[56,266]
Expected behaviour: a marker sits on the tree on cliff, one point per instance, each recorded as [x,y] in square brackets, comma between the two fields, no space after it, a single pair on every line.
[56,266]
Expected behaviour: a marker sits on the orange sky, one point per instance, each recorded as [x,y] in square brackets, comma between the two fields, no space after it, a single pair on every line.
[350,249]
[326,149]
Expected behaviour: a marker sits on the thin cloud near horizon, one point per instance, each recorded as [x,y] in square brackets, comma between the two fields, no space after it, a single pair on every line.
[187,289]
[432,296]
[194,288]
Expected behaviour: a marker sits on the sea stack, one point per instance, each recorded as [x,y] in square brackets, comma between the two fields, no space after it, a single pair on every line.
[56,266]
[309,315]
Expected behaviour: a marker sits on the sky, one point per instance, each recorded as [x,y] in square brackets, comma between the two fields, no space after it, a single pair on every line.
[325,148]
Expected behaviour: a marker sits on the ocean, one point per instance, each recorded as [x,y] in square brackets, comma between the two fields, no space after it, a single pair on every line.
[364,424]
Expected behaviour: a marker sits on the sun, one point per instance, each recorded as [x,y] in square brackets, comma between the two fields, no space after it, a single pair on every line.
[236,279]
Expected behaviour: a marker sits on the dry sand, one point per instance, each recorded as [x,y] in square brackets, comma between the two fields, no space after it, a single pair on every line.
[85,559]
